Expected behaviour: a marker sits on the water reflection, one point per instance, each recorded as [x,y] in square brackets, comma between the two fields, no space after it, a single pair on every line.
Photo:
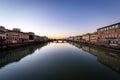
[14,55]
[59,61]
[107,57]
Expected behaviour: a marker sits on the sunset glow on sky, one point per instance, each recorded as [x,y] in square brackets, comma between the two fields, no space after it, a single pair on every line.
[58,18]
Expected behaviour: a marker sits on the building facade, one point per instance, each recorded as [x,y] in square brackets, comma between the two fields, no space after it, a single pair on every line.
[12,36]
[75,38]
[23,37]
[71,38]
[86,38]
[15,36]
[109,35]
[31,36]
[94,38]
[2,35]
[43,39]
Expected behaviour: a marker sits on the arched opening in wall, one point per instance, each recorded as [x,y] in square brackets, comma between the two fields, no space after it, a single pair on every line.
[30,37]
[109,41]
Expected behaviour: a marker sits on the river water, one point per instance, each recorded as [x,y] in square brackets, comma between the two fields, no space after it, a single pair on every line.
[59,61]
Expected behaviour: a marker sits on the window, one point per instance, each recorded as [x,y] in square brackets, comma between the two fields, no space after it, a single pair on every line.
[117,30]
[119,35]
[3,37]
[107,36]
[116,26]
[116,35]
[112,26]
[107,28]
[113,30]
[111,42]
[112,35]
[102,36]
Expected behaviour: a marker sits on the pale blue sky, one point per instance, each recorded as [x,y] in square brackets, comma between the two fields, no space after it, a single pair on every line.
[59,17]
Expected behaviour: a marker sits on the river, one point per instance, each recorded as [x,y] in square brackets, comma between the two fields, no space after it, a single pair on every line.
[59,61]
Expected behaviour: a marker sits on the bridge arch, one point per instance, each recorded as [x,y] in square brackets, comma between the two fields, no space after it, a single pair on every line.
[31,37]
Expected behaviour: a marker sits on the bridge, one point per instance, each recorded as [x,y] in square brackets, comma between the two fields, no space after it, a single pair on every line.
[59,40]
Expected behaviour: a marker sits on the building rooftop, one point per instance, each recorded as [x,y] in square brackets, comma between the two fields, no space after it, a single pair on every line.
[108,26]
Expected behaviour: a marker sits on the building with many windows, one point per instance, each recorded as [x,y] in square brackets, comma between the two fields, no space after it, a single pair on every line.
[76,38]
[2,35]
[23,37]
[79,38]
[94,38]
[109,35]
[86,37]
[15,36]
[12,36]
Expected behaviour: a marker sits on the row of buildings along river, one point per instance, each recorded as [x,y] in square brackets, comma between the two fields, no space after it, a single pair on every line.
[107,36]
[17,37]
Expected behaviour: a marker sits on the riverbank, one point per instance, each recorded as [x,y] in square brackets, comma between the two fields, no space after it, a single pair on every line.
[99,46]
[18,45]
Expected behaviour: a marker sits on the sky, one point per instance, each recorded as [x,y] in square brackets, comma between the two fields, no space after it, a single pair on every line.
[59,18]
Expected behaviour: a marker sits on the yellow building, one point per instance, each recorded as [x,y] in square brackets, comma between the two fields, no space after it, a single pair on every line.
[12,36]
[23,37]
[86,37]
[94,38]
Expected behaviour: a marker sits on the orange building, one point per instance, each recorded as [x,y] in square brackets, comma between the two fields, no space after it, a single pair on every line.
[12,36]
[109,35]
[23,37]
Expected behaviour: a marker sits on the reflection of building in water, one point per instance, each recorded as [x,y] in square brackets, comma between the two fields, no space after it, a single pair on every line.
[77,45]
[94,51]
[7,57]
[110,59]
[86,48]
[107,57]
